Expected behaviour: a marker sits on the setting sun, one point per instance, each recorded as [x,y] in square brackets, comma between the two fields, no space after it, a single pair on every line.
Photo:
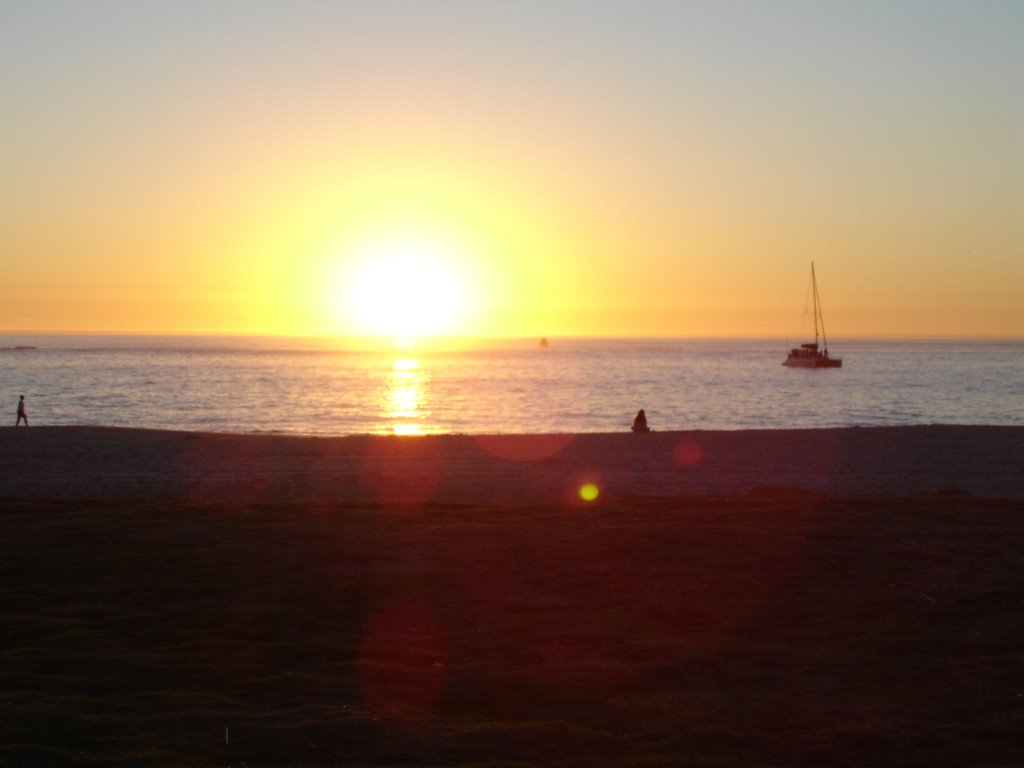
[359,172]
[403,288]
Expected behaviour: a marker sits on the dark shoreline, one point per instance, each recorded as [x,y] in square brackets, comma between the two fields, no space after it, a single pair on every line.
[745,630]
[103,462]
[746,599]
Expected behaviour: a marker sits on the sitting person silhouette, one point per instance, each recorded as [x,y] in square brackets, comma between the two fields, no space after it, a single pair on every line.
[640,422]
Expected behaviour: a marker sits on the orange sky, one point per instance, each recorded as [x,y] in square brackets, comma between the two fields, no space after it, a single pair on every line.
[646,169]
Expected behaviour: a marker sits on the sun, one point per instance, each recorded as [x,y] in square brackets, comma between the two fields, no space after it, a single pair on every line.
[404,288]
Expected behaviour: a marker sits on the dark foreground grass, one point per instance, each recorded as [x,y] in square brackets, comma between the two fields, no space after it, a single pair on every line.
[761,630]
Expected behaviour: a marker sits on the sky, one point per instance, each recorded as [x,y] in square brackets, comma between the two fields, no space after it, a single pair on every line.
[528,168]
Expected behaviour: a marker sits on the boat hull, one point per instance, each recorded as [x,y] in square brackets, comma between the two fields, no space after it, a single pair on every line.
[812,362]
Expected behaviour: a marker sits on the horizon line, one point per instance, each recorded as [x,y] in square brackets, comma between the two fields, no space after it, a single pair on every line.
[499,337]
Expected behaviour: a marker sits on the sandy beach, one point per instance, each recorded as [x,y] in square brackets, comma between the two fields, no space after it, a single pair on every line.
[103,463]
[755,598]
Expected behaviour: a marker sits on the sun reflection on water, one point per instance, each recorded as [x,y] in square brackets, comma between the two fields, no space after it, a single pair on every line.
[404,402]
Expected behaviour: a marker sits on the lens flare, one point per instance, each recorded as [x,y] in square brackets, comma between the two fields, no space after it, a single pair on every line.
[522,448]
[589,492]
[688,452]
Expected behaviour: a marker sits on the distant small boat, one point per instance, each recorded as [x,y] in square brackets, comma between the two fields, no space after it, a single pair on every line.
[544,342]
[814,355]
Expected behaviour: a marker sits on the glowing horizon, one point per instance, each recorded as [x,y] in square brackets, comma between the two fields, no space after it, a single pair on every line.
[656,170]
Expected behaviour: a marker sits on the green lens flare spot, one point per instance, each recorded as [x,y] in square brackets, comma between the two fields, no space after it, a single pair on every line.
[588,492]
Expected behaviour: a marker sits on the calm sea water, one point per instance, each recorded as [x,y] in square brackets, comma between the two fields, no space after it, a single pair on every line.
[574,385]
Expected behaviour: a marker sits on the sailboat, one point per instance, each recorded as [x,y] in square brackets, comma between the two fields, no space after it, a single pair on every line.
[814,355]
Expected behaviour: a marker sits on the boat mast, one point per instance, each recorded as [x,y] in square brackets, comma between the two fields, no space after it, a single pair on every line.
[819,318]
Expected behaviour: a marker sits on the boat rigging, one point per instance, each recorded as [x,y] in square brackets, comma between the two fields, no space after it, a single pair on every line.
[814,355]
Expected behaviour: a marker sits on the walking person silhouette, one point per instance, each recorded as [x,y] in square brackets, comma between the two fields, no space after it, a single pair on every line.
[22,416]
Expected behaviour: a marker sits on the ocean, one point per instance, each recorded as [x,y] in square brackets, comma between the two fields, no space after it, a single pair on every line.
[318,387]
